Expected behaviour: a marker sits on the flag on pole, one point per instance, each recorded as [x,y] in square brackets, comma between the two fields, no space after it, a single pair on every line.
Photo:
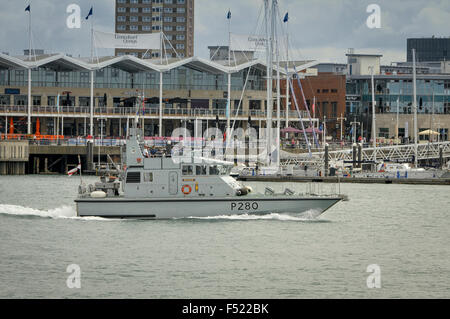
[73,171]
[286,17]
[28,8]
[229,15]
[89,14]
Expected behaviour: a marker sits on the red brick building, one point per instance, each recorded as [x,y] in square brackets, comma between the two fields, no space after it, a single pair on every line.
[329,92]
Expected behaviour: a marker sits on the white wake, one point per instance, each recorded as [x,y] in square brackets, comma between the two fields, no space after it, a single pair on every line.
[63,212]
[305,216]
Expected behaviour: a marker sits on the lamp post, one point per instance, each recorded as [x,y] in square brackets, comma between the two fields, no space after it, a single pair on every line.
[341,119]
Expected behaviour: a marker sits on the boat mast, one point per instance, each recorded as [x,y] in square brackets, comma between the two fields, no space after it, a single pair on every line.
[269,70]
[275,7]
[287,74]
[374,121]
[415,105]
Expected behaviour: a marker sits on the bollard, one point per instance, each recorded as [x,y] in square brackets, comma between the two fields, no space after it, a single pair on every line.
[360,155]
[90,155]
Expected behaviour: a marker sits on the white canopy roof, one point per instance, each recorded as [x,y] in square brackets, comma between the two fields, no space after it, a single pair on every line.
[132,64]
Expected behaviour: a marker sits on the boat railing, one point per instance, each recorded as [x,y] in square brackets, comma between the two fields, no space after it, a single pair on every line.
[321,189]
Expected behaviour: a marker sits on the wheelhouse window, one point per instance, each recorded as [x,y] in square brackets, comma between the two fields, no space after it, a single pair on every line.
[213,170]
[187,170]
[201,170]
[148,177]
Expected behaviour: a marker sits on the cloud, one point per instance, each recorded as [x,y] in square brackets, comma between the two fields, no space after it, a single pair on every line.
[320,29]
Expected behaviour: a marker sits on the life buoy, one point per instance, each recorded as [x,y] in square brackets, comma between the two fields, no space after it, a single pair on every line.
[186,189]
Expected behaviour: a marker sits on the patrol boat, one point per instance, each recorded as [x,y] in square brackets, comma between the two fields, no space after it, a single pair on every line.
[161,188]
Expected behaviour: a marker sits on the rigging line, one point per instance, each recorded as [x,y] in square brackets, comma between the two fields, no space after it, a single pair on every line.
[307,108]
[240,101]
[288,45]
[176,52]
[164,48]
[215,52]
[300,116]
[300,86]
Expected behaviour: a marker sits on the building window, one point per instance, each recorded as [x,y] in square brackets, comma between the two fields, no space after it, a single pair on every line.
[168,28]
[134,28]
[334,109]
[181,19]
[146,28]
[146,19]
[134,10]
[181,1]
[146,10]
[121,9]
[122,1]
[121,18]
[180,37]
[155,28]
[134,1]
[134,19]
[168,10]
[383,132]
[181,10]
[180,28]
[121,28]
[168,1]
[180,46]
[167,19]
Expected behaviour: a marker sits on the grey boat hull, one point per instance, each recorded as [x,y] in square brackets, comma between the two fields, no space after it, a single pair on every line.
[164,208]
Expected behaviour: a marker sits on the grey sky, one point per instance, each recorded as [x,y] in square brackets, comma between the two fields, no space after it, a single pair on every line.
[319,29]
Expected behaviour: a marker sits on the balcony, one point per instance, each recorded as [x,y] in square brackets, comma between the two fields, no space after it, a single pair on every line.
[148,112]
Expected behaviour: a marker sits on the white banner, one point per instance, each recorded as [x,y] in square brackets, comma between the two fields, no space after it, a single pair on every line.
[144,41]
[239,42]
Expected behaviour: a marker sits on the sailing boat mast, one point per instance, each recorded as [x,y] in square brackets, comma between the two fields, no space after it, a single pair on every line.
[415,105]
[275,7]
[269,70]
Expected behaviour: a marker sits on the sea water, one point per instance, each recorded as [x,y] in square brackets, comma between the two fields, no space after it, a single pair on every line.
[396,236]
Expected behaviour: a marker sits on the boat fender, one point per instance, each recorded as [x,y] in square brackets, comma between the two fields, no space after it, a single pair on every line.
[186,189]
[98,194]
[241,191]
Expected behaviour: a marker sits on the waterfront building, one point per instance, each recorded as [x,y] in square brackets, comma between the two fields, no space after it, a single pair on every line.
[173,17]
[393,86]
[191,88]
[327,92]
[428,49]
